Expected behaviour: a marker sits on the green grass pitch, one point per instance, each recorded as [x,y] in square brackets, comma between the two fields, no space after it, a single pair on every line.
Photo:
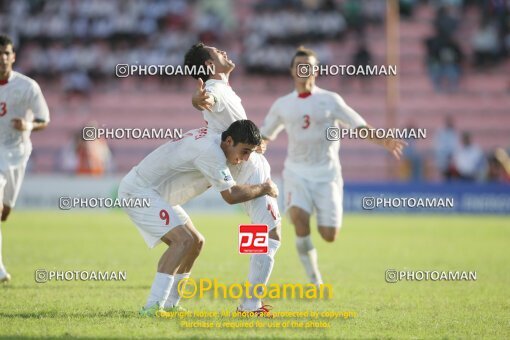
[354,265]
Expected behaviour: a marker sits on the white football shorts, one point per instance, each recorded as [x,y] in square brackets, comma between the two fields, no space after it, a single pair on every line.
[326,198]
[11,178]
[155,221]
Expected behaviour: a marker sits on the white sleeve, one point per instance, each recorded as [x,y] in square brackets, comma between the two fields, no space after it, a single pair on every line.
[213,166]
[218,99]
[345,114]
[273,123]
[37,103]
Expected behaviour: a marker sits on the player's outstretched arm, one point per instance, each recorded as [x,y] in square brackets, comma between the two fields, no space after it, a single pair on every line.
[21,124]
[242,193]
[394,146]
[202,100]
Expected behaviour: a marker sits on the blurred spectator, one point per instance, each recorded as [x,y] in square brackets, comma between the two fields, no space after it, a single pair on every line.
[362,57]
[77,83]
[406,8]
[413,159]
[222,10]
[374,11]
[446,142]
[468,160]
[444,58]
[214,19]
[446,22]
[353,10]
[485,44]
[270,41]
[83,157]
[68,159]
[94,157]
[505,34]
[57,37]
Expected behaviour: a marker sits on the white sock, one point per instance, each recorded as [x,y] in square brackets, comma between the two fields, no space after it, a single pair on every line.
[175,297]
[160,289]
[308,255]
[261,266]
[2,268]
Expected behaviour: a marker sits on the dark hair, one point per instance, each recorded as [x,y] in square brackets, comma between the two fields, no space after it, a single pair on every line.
[5,40]
[303,52]
[196,56]
[243,131]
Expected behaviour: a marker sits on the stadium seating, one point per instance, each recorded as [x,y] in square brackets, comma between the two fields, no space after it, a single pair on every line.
[480,106]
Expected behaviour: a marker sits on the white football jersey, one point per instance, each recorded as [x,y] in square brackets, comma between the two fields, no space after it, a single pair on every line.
[184,168]
[227,109]
[21,97]
[310,154]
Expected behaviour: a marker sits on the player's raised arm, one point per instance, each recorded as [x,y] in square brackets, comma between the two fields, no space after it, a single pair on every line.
[242,193]
[201,99]
[219,66]
[394,146]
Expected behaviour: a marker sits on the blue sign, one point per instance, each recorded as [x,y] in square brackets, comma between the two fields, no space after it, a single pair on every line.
[472,198]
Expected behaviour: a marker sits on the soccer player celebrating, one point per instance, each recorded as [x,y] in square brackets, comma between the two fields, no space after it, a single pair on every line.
[174,173]
[22,110]
[312,176]
[221,106]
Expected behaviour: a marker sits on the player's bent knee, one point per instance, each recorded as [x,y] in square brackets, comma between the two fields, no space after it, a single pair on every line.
[328,234]
[302,227]
[5,213]
[187,242]
[275,233]
[301,221]
[329,237]
[182,241]
[199,243]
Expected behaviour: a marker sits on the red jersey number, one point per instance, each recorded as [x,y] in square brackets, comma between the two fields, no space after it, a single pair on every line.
[3,109]
[163,214]
[201,133]
[306,122]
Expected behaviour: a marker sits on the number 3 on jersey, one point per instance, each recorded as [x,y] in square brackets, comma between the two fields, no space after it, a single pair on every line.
[3,109]
[306,122]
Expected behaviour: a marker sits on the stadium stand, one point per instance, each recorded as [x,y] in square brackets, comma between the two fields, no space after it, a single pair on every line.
[74,46]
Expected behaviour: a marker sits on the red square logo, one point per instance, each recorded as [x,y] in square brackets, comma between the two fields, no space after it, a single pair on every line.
[253,239]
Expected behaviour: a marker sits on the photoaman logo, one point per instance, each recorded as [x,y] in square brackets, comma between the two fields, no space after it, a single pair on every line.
[189,288]
[253,239]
